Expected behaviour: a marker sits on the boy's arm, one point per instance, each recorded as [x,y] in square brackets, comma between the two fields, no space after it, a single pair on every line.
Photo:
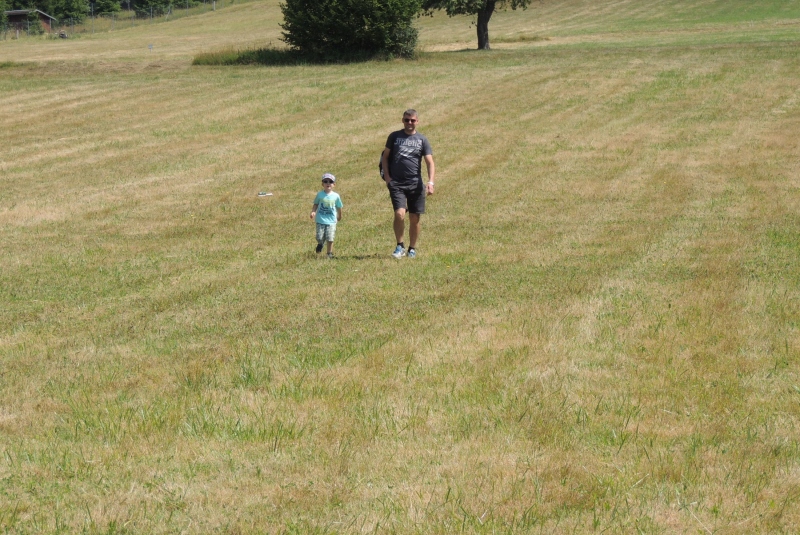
[338,214]
[314,210]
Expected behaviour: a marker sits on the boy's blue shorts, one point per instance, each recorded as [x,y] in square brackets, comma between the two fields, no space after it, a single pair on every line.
[325,233]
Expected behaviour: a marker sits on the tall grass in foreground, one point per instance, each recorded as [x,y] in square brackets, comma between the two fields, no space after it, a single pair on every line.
[600,333]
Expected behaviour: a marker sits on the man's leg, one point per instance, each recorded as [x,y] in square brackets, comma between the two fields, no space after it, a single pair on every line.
[399,224]
[414,226]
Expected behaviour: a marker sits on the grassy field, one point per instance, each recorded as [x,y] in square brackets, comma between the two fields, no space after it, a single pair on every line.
[600,333]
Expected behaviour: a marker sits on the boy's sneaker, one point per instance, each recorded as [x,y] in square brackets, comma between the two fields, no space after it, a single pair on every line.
[412,253]
[330,255]
[399,252]
[319,248]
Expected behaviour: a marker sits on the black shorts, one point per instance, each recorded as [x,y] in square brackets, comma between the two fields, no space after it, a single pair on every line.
[412,199]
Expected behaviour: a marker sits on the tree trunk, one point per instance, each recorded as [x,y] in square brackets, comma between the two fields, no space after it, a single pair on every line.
[483,24]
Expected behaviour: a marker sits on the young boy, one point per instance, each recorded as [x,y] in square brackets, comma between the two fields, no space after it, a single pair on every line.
[327,210]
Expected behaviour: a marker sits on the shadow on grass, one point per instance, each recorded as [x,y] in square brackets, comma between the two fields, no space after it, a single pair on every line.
[524,38]
[374,256]
[277,58]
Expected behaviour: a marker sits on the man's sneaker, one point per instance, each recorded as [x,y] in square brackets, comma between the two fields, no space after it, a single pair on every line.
[330,255]
[399,252]
[319,248]
[412,253]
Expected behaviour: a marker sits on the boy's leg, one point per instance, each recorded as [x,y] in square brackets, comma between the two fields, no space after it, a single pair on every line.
[330,234]
[320,235]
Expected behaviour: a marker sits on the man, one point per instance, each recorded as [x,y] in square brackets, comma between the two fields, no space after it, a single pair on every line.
[402,165]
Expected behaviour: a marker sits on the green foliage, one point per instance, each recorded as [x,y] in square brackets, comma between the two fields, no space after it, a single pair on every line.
[71,9]
[3,17]
[482,8]
[471,7]
[102,7]
[342,30]
[60,9]
[34,24]
[154,6]
[159,7]
[76,10]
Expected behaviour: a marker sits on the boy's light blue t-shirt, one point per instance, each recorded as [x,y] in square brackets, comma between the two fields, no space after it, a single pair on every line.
[326,207]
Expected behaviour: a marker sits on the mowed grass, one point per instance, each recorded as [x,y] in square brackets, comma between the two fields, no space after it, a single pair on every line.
[600,332]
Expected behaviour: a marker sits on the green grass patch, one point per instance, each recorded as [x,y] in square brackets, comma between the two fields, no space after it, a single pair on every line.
[260,56]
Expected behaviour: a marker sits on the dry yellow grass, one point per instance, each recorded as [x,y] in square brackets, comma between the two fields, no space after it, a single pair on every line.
[174,42]
[600,332]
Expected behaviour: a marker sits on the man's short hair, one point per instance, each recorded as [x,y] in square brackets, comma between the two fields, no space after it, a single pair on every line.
[411,112]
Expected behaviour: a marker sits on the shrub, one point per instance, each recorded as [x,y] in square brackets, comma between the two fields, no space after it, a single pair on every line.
[34,24]
[104,7]
[346,30]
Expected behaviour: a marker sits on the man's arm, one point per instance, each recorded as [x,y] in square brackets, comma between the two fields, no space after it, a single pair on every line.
[385,160]
[431,172]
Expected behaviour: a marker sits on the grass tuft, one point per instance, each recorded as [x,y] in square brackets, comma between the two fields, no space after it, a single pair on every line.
[255,56]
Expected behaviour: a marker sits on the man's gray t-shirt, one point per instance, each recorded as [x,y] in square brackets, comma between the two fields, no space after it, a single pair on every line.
[405,161]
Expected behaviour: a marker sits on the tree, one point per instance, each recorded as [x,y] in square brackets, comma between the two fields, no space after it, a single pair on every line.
[34,26]
[60,9]
[156,7]
[334,30]
[74,10]
[106,7]
[484,9]
[3,17]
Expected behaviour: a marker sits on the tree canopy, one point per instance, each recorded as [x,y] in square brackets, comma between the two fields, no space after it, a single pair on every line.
[60,9]
[484,9]
[104,7]
[331,30]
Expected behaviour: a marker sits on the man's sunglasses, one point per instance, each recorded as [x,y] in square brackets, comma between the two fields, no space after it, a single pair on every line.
[405,120]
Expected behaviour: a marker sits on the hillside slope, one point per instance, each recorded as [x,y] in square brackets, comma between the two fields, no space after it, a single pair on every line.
[601,332]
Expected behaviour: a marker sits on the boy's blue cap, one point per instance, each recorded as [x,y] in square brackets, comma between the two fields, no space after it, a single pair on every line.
[329,176]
